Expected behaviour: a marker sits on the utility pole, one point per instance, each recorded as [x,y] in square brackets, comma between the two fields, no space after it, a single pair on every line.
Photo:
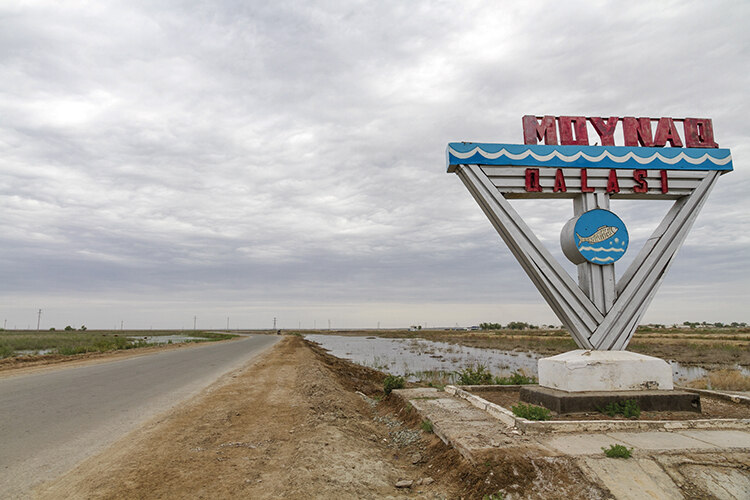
[195,321]
[274,322]
[122,324]
[38,320]
[378,325]
[227,322]
[329,325]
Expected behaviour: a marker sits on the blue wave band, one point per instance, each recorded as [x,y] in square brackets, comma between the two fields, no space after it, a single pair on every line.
[462,153]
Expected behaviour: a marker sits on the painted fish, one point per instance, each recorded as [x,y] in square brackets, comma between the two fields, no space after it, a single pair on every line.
[601,234]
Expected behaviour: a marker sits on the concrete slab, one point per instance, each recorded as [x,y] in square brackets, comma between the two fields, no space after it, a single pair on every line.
[660,441]
[449,409]
[419,392]
[579,444]
[632,479]
[717,480]
[721,439]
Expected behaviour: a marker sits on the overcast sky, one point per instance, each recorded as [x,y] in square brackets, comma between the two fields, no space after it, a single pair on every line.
[161,161]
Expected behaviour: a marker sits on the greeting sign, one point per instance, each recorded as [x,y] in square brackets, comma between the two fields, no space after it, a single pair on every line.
[652,164]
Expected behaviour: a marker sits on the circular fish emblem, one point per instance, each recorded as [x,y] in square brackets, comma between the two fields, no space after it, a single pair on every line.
[597,236]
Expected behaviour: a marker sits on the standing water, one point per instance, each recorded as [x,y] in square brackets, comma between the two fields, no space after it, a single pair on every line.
[412,358]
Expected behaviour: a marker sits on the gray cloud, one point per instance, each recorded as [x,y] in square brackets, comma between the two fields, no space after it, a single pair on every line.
[202,156]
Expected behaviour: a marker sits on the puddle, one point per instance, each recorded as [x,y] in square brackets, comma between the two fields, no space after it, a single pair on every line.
[413,357]
[165,339]
[33,352]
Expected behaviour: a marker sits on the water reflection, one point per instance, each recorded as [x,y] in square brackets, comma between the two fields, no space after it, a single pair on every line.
[411,357]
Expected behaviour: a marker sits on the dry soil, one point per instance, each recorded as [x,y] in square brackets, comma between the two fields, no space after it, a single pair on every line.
[299,423]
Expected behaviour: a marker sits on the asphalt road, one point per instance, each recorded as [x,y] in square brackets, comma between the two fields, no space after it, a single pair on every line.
[51,421]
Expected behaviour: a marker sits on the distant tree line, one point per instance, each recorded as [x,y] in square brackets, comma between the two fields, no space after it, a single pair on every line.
[704,324]
[513,325]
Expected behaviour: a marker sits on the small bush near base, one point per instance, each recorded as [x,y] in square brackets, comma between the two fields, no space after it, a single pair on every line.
[393,382]
[617,451]
[628,409]
[427,426]
[477,374]
[495,496]
[531,412]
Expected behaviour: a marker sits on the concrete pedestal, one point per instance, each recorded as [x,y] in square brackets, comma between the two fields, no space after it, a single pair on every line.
[574,402]
[608,371]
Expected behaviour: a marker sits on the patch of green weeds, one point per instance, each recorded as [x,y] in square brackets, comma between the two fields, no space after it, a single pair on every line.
[617,451]
[393,382]
[499,495]
[477,374]
[531,412]
[426,426]
[515,378]
[628,409]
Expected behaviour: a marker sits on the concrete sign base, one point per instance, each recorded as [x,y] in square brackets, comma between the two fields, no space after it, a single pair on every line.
[576,402]
[588,370]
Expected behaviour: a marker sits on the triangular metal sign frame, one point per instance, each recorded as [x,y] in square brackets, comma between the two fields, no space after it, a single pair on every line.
[599,313]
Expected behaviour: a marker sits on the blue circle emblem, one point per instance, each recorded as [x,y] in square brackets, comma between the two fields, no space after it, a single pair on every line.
[600,236]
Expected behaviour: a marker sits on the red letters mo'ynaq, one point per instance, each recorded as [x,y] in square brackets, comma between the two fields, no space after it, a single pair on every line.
[573,131]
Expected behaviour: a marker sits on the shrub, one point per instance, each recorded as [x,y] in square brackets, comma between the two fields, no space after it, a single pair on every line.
[69,328]
[393,382]
[617,451]
[427,426]
[477,374]
[494,496]
[628,409]
[515,378]
[6,351]
[531,412]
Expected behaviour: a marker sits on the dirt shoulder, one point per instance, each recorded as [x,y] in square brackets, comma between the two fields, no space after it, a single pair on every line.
[298,423]
[289,425]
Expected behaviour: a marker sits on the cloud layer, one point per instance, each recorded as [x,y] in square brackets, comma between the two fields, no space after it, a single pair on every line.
[252,160]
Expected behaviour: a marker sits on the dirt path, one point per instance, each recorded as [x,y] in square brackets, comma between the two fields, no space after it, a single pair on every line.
[288,426]
[299,423]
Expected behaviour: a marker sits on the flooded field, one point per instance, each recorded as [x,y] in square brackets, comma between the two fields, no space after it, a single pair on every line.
[414,358]
[167,339]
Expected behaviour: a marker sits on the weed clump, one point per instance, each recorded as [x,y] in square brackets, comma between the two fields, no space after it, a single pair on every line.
[531,412]
[617,451]
[426,426]
[515,378]
[479,374]
[393,382]
[494,496]
[628,409]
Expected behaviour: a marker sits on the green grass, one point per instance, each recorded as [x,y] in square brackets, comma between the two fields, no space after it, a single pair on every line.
[426,426]
[494,496]
[531,412]
[393,382]
[617,451]
[628,409]
[78,342]
[479,374]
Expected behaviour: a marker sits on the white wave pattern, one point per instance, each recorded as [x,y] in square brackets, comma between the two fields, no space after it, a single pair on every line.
[612,249]
[603,259]
[606,154]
